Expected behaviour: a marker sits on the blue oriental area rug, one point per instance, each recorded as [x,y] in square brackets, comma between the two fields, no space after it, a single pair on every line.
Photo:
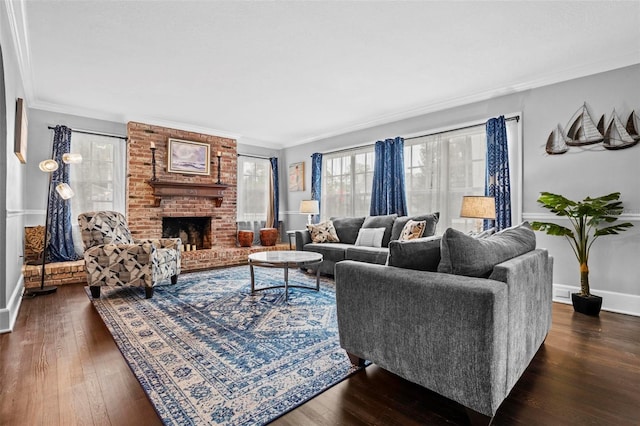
[206,351]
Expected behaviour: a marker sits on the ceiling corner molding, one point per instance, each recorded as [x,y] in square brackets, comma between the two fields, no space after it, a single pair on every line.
[598,66]
[183,126]
[18,22]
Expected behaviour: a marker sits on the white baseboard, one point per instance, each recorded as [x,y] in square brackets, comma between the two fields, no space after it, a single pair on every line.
[621,303]
[9,314]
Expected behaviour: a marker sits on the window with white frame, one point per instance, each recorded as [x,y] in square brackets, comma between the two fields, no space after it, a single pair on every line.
[347,178]
[441,168]
[99,180]
[253,188]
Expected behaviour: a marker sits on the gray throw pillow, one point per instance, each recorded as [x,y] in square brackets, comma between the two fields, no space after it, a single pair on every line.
[463,254]
[422,254]
[370,237]
[347,228]
[384,221]
[429,230]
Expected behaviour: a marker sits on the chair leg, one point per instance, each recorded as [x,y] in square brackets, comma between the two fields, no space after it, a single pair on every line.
[356,361]
[148,292]
[174,279]
[95,291]
[478,419]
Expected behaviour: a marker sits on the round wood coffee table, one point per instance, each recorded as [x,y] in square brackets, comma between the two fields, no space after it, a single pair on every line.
[285,260]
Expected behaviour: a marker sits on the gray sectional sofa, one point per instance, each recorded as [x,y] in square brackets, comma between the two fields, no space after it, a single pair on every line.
[465,324]
[347,231]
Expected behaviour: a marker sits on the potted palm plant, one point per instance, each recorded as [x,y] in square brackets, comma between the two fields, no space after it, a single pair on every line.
[586,216]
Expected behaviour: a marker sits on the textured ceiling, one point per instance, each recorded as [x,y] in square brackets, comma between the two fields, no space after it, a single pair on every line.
[277,74]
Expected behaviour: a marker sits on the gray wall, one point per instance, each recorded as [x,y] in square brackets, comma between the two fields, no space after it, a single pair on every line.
[576,174]
[40,144]
[12,186]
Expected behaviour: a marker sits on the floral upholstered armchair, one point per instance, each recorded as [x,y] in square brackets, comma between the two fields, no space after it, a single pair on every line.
[113,257]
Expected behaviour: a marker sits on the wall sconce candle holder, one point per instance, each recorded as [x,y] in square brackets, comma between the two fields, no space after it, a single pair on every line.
[219,155]
[153,161]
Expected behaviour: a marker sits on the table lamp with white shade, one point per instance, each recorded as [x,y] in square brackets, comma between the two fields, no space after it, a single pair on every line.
[478,207]
[309,207]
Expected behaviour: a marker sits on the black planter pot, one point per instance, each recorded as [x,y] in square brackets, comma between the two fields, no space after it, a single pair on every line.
[588,305]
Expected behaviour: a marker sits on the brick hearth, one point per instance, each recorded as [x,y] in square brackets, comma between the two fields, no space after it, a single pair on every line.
[61,273]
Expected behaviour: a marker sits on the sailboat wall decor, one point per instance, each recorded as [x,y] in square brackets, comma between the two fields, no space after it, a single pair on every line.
[557,142]
[584,133]
[616,136]
[632,125]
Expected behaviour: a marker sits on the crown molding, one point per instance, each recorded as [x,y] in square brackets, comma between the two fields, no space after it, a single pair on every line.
[595,67]
[18,24]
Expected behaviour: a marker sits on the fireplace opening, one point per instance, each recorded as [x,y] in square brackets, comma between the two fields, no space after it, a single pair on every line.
[193,231]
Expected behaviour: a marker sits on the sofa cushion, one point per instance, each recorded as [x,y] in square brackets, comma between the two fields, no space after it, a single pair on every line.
[370,237]
[422,254]
[323,232]
[384,221]
[347,228]
[462,254]
[429,230]
[334,252]
[412,230]
[367,254]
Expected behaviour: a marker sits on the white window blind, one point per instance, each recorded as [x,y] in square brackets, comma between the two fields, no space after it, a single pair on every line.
[99,180]
[440,169]
[347,178]
[253,188]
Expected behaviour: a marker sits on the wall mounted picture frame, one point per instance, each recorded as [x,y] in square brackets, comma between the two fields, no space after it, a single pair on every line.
[20,142]
[296,176]
[188,157]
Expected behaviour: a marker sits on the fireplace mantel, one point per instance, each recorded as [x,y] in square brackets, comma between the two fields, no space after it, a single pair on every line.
[172,189]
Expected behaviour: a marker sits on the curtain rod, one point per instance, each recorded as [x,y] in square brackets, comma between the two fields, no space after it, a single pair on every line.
[515,117]
[91,132]
[254,156]
[353,148]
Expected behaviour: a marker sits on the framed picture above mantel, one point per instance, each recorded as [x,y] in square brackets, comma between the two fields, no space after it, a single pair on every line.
[188,157]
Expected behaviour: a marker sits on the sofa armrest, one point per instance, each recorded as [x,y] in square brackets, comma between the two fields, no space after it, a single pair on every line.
[445,332]
[303,237]
[529,279]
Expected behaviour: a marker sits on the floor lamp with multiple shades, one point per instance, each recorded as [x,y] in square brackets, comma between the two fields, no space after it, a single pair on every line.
[478,207]
[309,207]
[65,192]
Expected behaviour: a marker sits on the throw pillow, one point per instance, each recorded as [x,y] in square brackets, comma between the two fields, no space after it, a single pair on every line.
[412,230]
[462,254]
[370,237]
[383,221]
[486,233]
[422,254]
[347,228]
[430,229]
[323,232]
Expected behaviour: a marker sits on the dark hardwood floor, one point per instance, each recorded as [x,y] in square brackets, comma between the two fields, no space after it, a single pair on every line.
[61,366]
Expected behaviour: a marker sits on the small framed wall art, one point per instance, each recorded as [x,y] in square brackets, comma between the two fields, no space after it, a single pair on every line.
[188,157]
[296,176]
[20,142]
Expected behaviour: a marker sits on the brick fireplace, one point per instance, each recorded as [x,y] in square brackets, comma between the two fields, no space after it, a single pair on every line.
[146,211]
